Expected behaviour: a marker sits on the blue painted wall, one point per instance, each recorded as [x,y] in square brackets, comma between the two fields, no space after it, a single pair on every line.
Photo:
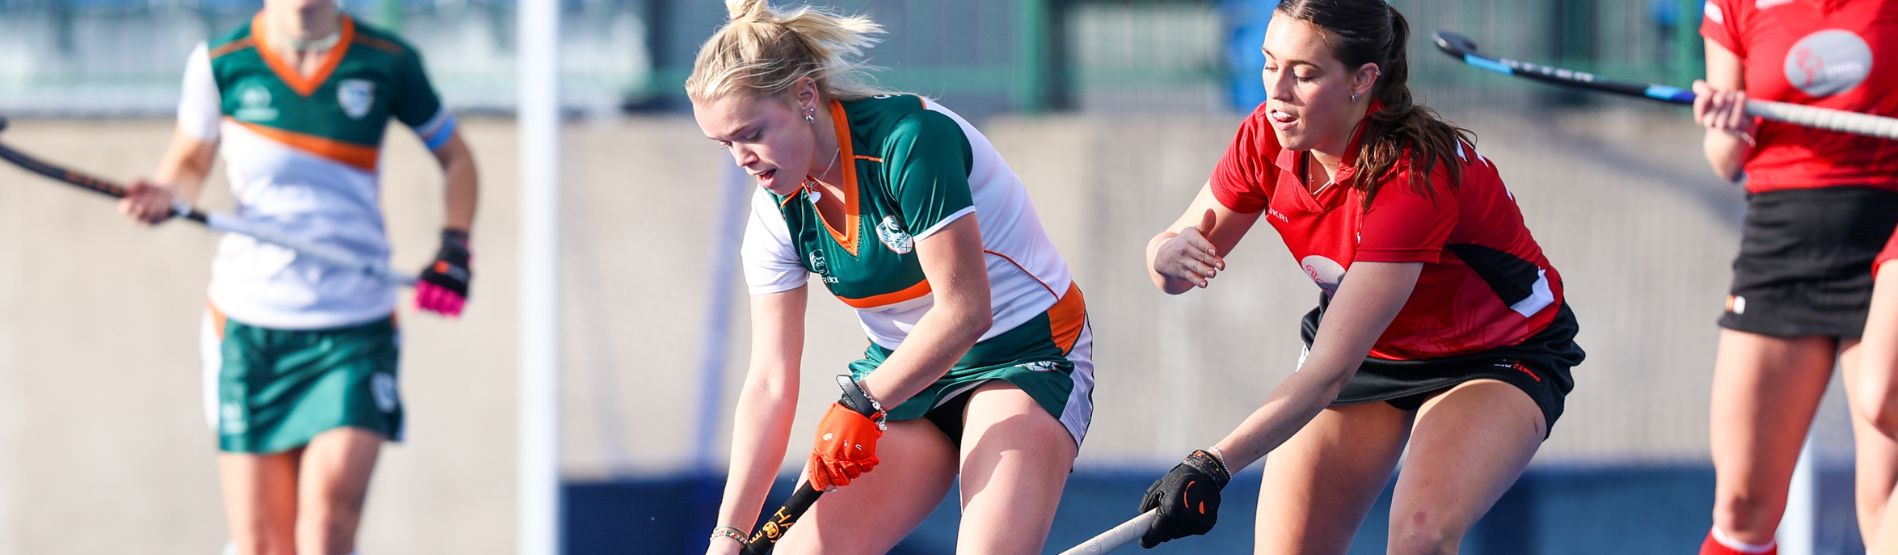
[1552,510]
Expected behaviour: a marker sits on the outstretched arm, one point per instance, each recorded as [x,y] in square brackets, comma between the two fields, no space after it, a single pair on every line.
[1192,251]
[180,175]
[1369,298]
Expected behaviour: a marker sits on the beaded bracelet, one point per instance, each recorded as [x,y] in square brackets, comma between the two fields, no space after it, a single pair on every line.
[728,532]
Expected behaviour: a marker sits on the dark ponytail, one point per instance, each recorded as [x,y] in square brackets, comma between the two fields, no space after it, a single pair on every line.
[1372,31]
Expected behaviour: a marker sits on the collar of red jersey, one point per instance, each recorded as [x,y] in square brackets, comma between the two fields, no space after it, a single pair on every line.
[1347,167]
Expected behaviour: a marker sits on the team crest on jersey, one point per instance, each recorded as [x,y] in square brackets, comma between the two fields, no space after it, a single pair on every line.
[356,96]
[892,234]
[254,104]
[818,266]
[1325,272]
[1828,62]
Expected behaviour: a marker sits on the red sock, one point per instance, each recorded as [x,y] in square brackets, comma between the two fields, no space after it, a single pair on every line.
[1720,544]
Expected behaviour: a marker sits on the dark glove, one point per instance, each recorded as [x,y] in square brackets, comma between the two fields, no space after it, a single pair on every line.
[1187,499]
[443,287]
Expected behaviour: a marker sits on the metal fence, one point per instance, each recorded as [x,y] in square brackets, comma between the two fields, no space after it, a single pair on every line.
[97,57]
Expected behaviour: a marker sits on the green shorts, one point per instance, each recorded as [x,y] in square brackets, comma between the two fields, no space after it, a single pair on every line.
[271,390]
[1050,357]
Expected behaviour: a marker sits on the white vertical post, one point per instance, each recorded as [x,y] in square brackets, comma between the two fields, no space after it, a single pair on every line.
[1797,535]
[538,118]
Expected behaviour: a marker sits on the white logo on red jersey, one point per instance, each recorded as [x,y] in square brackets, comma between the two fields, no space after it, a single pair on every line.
[1828,62]
[1325,272]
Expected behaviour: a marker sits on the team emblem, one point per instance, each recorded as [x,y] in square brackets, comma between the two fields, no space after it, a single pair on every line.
[1325,272]
[356,96]
[1828,62]
[818,265]
[382,386]
[254,104]
[231,413]
[892,234]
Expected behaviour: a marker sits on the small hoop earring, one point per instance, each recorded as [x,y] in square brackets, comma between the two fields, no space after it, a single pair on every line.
[1354,97]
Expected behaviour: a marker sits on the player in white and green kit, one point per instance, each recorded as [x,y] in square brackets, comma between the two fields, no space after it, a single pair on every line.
[300,358]
[979,369]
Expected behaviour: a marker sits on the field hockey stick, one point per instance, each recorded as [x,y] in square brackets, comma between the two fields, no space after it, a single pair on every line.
[1114,538]
[219,222]
[1464,49]
[767,535]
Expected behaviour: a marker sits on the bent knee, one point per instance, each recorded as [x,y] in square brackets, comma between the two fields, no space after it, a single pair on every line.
[1420,533]
[1877,405]
[1746,517]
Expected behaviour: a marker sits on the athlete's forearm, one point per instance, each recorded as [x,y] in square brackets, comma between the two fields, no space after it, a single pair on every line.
[1369,298]
[186,166]
[1287,409]
[463,184]
[940,339]
[1726,153]
[954,264]
[761,430]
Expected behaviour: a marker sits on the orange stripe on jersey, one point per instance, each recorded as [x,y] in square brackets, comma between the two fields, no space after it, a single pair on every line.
[1067,317]
[1024,270]
[847,237]
[290,76]
[869,158]
[382,45]
[217,319]
[356,156]
[914,291]
[232,46]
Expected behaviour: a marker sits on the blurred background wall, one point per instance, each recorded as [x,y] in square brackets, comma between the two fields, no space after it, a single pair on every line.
[1112,111]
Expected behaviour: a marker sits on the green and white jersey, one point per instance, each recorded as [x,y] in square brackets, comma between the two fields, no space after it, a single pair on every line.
[302,153]
[911,167]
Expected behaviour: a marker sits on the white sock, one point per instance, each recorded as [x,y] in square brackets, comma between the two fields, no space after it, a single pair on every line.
[1740,546]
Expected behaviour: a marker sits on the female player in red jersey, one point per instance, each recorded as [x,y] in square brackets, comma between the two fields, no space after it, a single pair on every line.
[1819,206]
[1440,324]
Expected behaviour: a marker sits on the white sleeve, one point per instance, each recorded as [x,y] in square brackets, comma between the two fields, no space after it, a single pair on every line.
[199,110]
[771,263]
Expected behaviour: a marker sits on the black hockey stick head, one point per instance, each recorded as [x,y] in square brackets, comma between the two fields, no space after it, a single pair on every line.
[3,123]
[1456,45]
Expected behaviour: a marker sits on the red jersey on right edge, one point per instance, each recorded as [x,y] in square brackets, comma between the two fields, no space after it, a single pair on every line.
[1838,54]
[1485,283]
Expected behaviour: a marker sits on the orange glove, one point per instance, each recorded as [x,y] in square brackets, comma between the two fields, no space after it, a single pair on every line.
[846,447]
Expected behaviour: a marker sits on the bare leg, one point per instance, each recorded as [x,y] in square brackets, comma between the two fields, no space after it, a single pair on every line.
[335,483]
[260,501]
[1469,445]
[1319,485]
[1765,390]
[1015,462]
[876,510]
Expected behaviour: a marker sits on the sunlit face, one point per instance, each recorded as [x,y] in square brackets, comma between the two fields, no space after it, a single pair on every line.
[766,136]
[1309,92]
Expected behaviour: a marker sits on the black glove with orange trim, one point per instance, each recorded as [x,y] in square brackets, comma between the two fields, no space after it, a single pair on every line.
[1187,498]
